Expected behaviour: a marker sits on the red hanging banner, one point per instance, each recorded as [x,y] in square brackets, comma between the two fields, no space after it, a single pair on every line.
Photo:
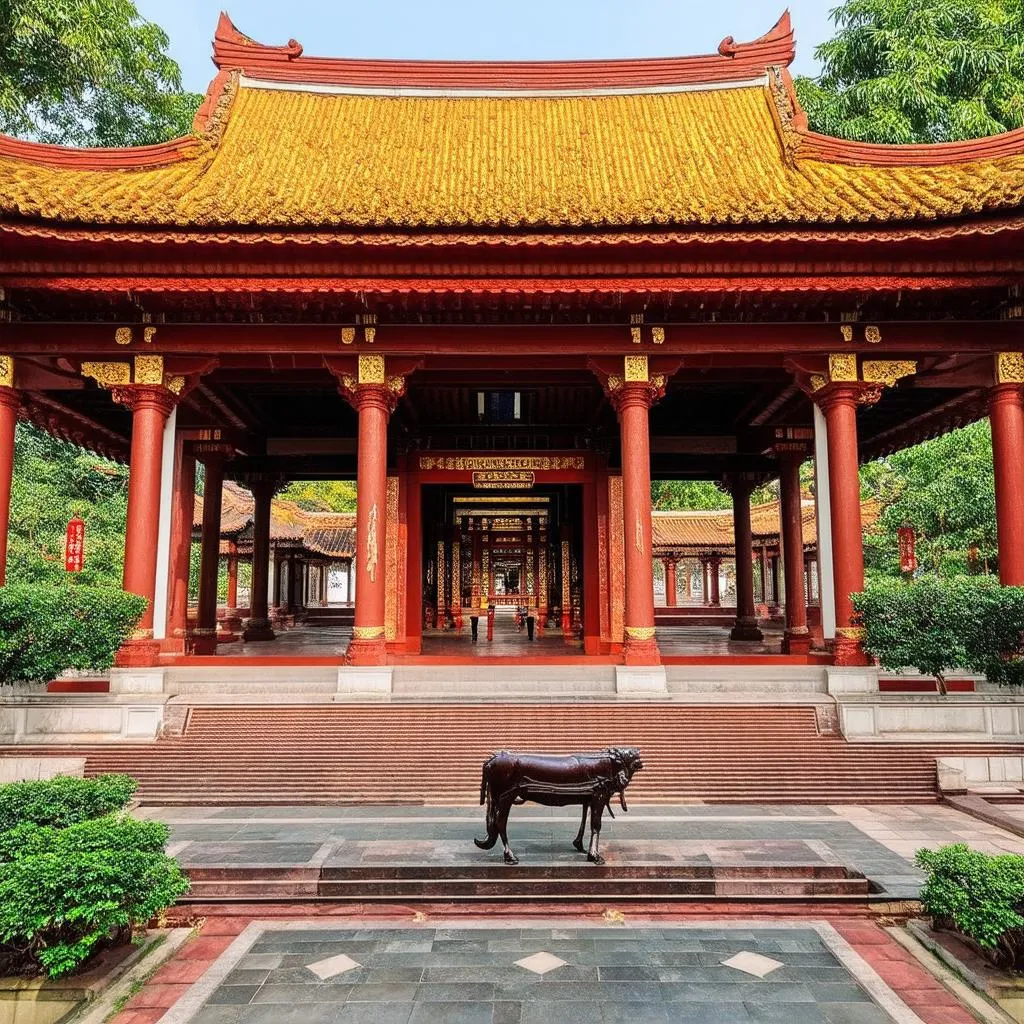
[74,546]
[907,544]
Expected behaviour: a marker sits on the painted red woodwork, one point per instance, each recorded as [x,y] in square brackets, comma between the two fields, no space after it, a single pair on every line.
[373,405]
[734,62]
[746,618]
[232,595]
[74,546]
[839,404]
[900,684]
[591,580]
[797,638]
[10,401]
[414,565]
[715,580]
[204,639]
[671,582]
[150,406]
[258,626]
[181,546]
[906,540]
[78,686]
[1006,414]
[632,403]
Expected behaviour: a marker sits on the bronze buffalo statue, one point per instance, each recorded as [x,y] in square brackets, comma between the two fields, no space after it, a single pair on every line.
[557,781]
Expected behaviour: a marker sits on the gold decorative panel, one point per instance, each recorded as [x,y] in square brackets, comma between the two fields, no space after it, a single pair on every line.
[1010,368]
[635,369]
[371,370]
[348,335]
[123,335]
[6,371]
[872,334]
[108,375]
[149,369]
[887,371]
[658,335]
[842,366]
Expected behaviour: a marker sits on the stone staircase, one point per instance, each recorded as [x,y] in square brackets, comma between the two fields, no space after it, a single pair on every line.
[432,753]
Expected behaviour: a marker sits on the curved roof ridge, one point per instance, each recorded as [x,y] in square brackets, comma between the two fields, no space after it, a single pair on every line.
[232,50]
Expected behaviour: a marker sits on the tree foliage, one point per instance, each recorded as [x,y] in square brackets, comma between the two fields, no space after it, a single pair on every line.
[88,73]
[47,630]
[53,482]
[903,71]
[945,490]
[322,495]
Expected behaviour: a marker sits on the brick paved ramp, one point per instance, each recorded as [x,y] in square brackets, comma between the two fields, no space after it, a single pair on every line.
[402,753]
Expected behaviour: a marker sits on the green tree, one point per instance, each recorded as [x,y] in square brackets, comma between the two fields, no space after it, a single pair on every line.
[88,73]
[53,482]
[322,495]
[904,71]
[945,490]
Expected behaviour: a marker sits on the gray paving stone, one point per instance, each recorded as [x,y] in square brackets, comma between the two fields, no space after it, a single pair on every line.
[452,1013]
[238,995]
[507,1012]
[219,1015]
[854,1013]
[301,994]
[374,1013]
[545,1012]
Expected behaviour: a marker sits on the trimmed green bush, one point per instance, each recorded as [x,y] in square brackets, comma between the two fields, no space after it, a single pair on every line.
[57,908]
[64,800]
[979,895]
[46,630]
[936,624]
[113,833]
[76,873]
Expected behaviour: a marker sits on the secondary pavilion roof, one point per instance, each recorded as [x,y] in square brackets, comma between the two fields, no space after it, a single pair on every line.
[331,534]
[291,143]
[696,531]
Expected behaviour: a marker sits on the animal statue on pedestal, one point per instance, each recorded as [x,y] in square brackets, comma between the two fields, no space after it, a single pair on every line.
[556,781]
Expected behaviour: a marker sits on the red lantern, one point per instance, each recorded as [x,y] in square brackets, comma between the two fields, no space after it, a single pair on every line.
[908,554]
[74,546]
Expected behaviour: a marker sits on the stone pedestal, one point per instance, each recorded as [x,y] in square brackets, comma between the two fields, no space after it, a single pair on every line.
[364,681]
[640,679]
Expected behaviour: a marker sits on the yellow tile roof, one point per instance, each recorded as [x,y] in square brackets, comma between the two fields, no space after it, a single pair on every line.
[300,159]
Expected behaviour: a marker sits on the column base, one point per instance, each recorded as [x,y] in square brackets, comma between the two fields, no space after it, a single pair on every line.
[746,629]
[204,641]
[641,650]
[367,652]
[848,648]
[796,641]
[141,653]
[258,630]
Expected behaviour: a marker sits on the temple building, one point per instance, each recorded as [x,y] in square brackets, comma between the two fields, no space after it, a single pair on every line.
[504,297]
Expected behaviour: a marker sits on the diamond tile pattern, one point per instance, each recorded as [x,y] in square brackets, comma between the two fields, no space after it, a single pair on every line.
[752,963]
[540,963]
[333,966]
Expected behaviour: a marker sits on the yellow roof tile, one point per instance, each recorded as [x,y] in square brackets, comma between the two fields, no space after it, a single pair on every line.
[306,159]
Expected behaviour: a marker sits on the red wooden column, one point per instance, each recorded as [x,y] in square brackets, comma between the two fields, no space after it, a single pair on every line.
[746,618]
[670,582]
[257,626]
[1006,414]
[181,546]
[839,401]
[213,458]
[150,404]
[797,638]
[10,401]
[373,393]
[632,400]
[715,581]
[232,602]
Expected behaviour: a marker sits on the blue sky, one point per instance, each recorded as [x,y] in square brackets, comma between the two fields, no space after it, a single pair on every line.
[470,29]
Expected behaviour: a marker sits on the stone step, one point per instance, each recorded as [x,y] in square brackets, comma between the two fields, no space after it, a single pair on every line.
[521,882]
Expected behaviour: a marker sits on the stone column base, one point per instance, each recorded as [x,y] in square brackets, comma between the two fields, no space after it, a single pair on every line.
[746,629]
[364,681]
[641,650]
[848,648]
[137,653]
[258,630]
[367,652]
[796,642]
[640,679]
[204,641]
